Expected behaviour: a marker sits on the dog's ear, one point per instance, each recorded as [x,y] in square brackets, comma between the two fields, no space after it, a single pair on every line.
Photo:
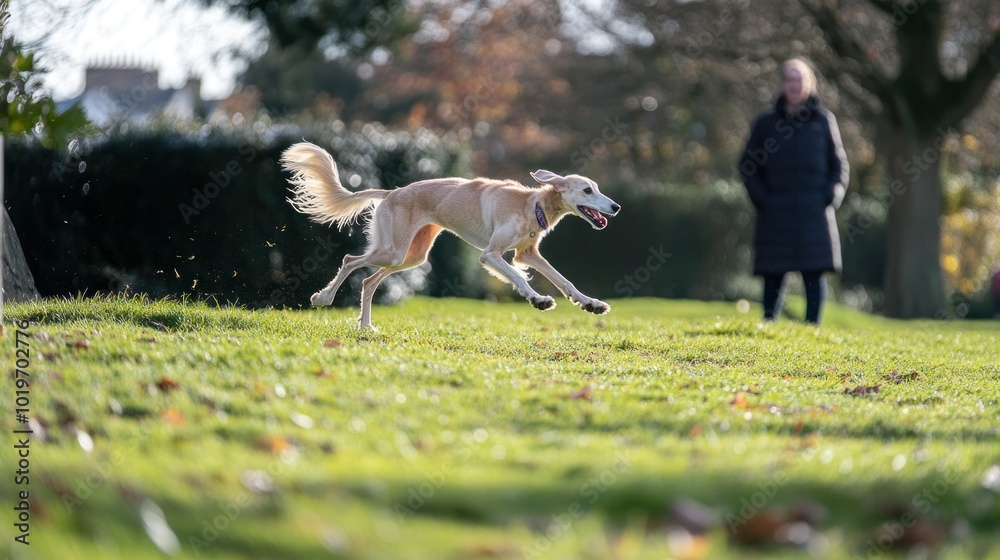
[549,178]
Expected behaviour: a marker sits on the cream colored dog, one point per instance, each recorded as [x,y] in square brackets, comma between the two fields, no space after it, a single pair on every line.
[494,216]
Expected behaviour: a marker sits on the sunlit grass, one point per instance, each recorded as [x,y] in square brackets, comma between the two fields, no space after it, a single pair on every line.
[465,429]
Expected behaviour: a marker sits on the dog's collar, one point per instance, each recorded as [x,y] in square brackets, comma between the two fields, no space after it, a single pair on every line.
[540,216]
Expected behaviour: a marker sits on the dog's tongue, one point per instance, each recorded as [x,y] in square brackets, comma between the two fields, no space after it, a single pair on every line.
[595,215]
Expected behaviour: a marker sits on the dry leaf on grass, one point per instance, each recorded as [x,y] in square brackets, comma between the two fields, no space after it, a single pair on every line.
[862,390]
[173,416]
[896,377]
[166,384]
[274,444]
[583,393]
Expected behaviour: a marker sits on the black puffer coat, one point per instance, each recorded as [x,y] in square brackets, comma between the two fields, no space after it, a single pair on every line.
[796,172]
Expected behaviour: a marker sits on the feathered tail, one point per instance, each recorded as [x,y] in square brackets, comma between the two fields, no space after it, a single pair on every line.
[317,190]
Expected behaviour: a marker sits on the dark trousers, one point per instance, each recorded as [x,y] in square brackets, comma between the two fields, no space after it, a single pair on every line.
[774,294]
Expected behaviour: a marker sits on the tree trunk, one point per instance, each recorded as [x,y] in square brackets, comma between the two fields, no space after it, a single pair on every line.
[914,285]
[16,282]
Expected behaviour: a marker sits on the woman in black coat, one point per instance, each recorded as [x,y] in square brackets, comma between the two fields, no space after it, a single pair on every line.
[796,172]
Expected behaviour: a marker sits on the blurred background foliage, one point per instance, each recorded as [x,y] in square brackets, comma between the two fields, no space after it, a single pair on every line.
[651,99]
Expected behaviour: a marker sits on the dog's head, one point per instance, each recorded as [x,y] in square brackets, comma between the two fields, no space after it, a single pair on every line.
[581,197]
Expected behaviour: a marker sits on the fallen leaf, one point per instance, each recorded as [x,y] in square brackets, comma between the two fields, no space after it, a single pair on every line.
[257,481]
[322,373]
[166,384]
[85,441]
[893,536]
[862,390]
[332,343]
[173,416]
[695,517]
[302,421]
[157,528]
[583,393]
[274,444]
[686,546]
[991,479]
[489,550]
[739,400]
[760,528]
[897,378]
[37,428]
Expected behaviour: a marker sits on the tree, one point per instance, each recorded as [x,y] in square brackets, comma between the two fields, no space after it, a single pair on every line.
[289,79]
[24,110]
[333,26]
[906,72]
[925,96]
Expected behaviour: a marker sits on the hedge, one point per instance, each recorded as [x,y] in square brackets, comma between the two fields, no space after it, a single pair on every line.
[205,214]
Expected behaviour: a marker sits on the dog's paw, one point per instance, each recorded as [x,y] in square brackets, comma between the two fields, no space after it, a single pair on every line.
[543,303]
[596,307]
[319,299]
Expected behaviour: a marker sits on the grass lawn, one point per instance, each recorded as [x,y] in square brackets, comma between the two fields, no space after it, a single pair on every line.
[464,429]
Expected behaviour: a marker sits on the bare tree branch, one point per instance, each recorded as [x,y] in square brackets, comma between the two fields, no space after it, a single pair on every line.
[888,7]
[853,54]
[964,95]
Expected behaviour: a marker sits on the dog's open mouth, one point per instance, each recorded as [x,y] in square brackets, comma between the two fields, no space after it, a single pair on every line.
[593,216]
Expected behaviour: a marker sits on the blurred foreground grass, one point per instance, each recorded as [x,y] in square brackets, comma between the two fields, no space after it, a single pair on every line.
[463,429]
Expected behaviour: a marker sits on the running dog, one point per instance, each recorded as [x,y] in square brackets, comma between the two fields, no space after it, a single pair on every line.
[493,216]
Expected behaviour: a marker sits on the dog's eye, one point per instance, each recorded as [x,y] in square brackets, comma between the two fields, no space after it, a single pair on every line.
[588,190]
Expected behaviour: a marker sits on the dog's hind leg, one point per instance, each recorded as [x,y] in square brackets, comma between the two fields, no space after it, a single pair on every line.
[380,252]
[416,255]
[325,296]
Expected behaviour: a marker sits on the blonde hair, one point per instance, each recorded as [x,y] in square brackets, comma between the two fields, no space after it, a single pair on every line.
[808,76]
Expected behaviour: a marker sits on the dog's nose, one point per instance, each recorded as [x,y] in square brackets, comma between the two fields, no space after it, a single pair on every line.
[616,207]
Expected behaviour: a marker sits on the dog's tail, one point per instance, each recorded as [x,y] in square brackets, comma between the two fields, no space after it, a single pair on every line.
[317,190]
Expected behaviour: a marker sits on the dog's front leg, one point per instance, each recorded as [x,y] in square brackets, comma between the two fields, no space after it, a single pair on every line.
[493,261]
[531,257]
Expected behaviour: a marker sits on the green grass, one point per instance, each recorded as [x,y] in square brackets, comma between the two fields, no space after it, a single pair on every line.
[465,429]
